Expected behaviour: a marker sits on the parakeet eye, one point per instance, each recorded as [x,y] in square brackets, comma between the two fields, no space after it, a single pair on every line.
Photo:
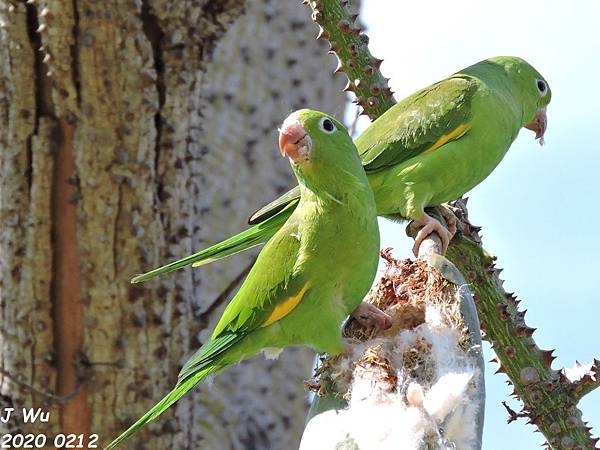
[542,87]
[326,125]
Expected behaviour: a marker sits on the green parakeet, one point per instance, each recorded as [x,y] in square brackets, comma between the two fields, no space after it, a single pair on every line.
[314,271]
[430,148]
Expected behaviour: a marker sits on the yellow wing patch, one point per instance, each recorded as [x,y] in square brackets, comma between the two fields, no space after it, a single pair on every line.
[286,306]
[454,134]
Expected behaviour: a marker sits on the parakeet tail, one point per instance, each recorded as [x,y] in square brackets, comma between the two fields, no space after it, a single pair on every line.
[179,391]
[255,235]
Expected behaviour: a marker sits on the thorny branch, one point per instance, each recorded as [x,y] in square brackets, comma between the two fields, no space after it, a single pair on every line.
[549,397]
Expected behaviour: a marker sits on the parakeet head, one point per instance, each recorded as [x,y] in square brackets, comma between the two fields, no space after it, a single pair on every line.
[532,89]
[319,148]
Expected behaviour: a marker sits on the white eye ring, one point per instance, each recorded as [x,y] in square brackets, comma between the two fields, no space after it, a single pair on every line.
[326,125]
[542,87]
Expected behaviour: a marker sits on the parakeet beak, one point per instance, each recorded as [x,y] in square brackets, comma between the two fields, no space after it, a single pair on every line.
[539,125]
[294,141]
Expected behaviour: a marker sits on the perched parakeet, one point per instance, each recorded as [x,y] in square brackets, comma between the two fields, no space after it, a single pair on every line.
[314,271]
[430,148]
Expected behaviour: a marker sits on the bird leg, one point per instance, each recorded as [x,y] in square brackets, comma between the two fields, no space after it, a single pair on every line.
[430,225]
[370,316]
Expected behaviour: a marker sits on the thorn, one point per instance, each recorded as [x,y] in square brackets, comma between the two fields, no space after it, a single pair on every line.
[319,6]
[44,12]
[511,412]
[339,68]
[525,331]
[30,2]
[500,370]
[536,397]
[547,357]
[41,28]
[373,102]
[375,89]
[554,442]
[349,87]
[353,17]
[344,26]
[304,2]
[317,15]
[376,62]
[323,34]
[554,428]
[503,311]
[572,422]
[47,58]
[333,47]
[353,49]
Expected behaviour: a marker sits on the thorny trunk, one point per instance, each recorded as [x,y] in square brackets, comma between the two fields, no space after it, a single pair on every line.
[124,144]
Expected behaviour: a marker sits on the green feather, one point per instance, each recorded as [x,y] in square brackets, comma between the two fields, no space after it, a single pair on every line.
[169,400]
[264,213]
[248,238]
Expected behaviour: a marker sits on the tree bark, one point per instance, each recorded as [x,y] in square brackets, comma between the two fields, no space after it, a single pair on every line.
[130,135]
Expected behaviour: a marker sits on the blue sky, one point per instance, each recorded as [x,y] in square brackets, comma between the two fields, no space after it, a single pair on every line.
[538,209]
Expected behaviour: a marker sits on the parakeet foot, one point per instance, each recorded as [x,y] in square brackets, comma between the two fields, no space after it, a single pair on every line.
[370,316]
[430,225]
[450,218]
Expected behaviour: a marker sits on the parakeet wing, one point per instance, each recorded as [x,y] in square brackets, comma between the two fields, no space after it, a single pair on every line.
[422,122]
[270,291]
[267,211]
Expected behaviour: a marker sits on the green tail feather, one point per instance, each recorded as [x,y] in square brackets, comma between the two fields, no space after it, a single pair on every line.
[249,238]
[290,197]
[179,391]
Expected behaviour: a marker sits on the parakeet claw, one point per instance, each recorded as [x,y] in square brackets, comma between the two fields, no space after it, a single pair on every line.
[430,225]
[370,316]
[450,218]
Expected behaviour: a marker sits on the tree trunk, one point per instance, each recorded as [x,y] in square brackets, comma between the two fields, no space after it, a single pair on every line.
[129,137]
